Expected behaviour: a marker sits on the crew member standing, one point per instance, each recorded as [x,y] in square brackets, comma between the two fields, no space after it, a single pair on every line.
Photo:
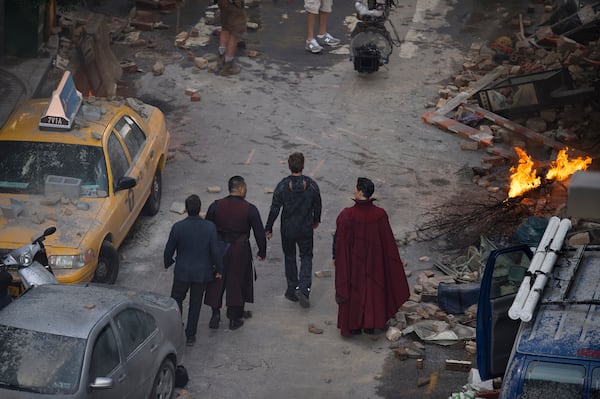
[233,27]
[301,201]
[195,242]
[234,217]
[370,283]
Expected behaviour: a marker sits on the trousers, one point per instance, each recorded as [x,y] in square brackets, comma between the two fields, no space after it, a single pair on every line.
[179,291]
[303,279]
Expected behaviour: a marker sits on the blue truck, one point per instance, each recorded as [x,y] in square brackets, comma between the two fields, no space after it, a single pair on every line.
[557,353]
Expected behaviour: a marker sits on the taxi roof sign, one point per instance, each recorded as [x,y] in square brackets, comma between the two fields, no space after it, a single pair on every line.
[63,105]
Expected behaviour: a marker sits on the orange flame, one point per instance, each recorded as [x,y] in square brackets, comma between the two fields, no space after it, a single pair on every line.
[562,168]
[523,177]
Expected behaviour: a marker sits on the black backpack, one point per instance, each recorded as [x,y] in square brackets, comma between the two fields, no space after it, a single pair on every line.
[181,376]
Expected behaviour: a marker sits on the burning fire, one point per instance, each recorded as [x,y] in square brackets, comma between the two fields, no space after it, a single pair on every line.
[562,168]
[524,177]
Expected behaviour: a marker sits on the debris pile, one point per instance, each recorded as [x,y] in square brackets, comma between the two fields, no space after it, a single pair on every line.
[539,91]
[82,44]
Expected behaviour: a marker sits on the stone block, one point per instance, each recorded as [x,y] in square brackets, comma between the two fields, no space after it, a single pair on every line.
[468,145]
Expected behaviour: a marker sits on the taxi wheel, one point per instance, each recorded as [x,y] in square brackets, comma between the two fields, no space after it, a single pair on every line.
[108,264]
[152,204]
[164,382]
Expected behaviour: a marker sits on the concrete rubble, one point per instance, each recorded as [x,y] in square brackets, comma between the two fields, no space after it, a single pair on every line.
[572,123]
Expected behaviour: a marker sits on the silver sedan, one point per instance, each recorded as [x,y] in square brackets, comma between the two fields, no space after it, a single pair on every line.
[89,341]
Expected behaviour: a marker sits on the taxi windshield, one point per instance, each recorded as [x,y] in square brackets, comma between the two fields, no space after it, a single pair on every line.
[25,167]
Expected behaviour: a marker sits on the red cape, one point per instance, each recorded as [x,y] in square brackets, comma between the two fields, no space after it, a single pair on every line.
[369,273]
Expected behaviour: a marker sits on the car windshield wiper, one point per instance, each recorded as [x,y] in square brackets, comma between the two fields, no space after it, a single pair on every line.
[16,387]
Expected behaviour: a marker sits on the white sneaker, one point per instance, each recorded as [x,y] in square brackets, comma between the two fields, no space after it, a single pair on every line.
[327,40]
[313,46]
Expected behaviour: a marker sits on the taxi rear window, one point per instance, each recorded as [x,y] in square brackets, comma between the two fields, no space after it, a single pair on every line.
[25,166]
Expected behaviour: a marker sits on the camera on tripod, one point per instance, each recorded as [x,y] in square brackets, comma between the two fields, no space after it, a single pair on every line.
[371,43]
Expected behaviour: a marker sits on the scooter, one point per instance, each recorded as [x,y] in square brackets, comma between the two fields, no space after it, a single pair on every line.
[31,264]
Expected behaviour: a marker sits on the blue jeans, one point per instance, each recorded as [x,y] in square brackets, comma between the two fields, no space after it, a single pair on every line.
[178,292]
[303,280]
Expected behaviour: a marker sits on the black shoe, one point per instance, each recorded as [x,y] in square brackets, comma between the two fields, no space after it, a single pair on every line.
[291,296]
[234,324]
[214,321]
[356,332]
[246,314]
[369,331]
[190,341]
[303,298]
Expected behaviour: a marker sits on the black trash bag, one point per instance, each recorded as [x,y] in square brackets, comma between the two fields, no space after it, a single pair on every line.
[530,232]
[181,376]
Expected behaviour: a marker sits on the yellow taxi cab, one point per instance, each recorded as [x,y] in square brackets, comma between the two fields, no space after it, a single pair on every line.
[87,166]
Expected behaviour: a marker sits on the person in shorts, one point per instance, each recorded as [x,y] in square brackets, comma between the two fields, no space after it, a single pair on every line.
[233,27]
[318,9]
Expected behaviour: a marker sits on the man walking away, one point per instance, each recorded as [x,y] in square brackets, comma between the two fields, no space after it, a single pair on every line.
[195,242]
[301,201]
[234,217]
[370,283]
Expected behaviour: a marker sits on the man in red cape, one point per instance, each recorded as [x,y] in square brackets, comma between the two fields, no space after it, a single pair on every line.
[370,283]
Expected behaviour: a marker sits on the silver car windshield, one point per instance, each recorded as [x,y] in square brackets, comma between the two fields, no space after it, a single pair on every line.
[39,362]
[25,167]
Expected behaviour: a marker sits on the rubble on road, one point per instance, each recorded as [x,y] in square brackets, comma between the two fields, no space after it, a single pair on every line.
[540,89]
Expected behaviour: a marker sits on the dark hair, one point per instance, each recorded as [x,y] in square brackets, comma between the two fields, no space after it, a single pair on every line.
[296,162]
[365,186]
[236,183]
[192,205]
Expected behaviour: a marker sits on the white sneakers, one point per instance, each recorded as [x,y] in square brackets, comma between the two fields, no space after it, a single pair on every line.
[313,46]
[316,45]
[327,40]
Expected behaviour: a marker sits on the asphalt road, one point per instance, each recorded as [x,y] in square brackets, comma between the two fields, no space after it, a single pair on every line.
[347,125]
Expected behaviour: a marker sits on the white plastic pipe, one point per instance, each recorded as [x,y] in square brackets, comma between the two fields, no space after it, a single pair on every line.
[547,265]
[537,260]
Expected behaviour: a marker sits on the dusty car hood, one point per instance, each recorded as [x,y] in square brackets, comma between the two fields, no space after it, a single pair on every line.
[72,220]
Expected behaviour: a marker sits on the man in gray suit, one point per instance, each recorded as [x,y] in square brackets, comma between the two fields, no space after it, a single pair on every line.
[199,260]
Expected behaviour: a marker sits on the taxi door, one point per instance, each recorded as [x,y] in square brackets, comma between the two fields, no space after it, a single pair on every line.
[137,147]
[124,198]
[496,332]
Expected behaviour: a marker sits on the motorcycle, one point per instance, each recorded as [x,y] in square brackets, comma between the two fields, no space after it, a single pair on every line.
[371,43]
[30,263]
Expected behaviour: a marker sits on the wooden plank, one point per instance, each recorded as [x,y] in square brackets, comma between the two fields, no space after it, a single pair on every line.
[474,88]
[458,365]
[433,118]
[521,130]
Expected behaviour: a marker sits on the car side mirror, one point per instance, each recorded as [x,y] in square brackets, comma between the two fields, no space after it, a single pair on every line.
[125,183]
[102,383]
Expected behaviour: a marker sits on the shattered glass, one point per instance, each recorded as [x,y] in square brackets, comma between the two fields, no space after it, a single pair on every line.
[24,167]
[40,362]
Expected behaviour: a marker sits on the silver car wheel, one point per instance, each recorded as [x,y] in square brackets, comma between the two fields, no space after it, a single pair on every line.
[164,383]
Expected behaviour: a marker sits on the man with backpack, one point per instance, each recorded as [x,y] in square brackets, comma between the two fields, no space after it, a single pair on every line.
[301,201]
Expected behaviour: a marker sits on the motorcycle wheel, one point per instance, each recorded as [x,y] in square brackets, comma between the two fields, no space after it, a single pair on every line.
[108,264]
